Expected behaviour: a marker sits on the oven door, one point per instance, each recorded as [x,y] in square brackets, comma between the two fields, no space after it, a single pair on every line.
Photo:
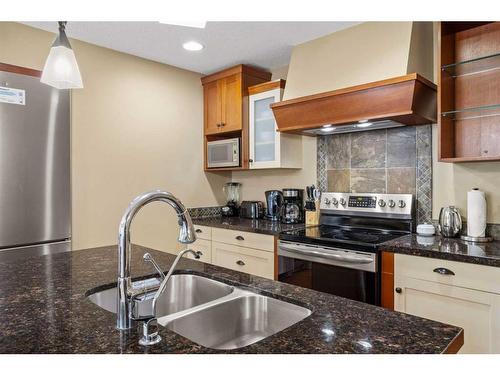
[224,153]
[345,273]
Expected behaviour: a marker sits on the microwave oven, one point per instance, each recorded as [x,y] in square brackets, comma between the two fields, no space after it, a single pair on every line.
[223,153]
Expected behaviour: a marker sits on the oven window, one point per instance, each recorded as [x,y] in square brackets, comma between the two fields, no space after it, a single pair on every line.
[341,281]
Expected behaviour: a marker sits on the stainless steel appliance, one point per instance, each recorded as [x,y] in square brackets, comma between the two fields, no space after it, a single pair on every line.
[293,206]
[274,202]
[223,153]
[340,256]
[251,209]
[34,167]
[450,222]
[232,191]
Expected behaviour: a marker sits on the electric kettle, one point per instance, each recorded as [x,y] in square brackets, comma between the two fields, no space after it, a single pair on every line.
[450,221]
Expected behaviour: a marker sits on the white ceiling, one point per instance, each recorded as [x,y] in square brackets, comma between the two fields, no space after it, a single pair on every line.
[263,44]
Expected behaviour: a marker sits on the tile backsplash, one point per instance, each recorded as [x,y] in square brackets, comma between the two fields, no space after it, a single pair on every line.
[397,160]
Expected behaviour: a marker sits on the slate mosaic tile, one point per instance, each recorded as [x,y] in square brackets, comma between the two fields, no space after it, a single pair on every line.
[322,154]
[362,156]
[401,181]
[370,180]
[401,147]
[200,212]
[339,180]
[338,151]
[368,149]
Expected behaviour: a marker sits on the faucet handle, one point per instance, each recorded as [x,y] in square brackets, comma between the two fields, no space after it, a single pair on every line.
[149,258]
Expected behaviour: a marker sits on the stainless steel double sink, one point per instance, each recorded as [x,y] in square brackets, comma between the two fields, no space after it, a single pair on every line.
[211,313]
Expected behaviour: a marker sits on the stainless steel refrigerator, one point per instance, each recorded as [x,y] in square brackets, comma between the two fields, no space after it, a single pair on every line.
[35,195]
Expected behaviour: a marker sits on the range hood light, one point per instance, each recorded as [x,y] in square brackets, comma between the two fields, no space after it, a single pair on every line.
[327,128]
[61,69]
[363,124]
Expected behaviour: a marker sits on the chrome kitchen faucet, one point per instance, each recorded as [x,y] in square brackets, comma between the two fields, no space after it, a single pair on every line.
[187,235]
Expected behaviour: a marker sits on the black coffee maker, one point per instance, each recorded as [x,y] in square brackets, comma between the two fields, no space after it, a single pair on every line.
[292,211]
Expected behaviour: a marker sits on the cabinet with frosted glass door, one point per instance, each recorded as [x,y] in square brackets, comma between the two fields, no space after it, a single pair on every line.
[268,148]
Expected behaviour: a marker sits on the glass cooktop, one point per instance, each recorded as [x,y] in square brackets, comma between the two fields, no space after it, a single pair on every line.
[364,237]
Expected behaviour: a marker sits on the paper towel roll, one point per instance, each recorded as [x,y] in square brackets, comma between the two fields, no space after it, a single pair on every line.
[476,213]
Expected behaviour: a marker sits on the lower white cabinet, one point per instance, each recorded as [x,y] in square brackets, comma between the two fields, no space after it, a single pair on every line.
[237,250]
[244,259]
[425,292]
[205,246]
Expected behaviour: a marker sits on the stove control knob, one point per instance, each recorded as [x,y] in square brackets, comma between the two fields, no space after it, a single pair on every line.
[401,204]
[342,201]
[381,203]
[327,201]
[391,203]
[335,201]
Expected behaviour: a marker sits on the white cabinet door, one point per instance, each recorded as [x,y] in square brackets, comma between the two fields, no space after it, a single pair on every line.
[264,137]
[478,313]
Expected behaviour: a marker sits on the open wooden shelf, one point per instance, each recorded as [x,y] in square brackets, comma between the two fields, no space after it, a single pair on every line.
[469,91]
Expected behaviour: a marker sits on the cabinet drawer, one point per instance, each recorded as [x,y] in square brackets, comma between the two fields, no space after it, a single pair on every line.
[253,261]
[205,247]
[465,275]
[203,232]
[246,239]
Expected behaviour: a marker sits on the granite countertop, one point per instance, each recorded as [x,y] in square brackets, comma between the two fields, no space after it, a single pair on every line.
[487,254]
[44,309]
[261,226]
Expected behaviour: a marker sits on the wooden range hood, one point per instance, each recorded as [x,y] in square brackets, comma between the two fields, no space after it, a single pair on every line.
[406,100]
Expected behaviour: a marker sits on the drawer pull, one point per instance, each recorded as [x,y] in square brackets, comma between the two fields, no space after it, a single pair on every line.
[198,231]
[240,238]
[398,290]
[443,271]
[240,263]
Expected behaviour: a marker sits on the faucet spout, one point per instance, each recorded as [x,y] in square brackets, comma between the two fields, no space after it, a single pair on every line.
[186,235]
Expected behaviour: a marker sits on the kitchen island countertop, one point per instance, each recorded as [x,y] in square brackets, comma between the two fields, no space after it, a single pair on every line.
[45,309]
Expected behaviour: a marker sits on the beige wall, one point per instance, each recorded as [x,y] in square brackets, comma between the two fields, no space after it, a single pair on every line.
[136,126]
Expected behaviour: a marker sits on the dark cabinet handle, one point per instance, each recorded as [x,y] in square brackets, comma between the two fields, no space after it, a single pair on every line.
[250,160]
[198,231]
[240,238]
[399,290]
[444,271]
[222,124]
[240,263]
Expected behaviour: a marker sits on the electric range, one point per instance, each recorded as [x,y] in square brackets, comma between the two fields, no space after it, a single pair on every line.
[340,255]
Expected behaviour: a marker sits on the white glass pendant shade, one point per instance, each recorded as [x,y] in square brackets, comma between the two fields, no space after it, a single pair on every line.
[61,69]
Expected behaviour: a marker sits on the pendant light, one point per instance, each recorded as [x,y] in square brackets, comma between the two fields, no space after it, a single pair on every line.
[61,69]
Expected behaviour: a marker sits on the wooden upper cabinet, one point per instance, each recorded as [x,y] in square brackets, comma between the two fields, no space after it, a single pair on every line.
[232,103]
[226,98]
[213,108]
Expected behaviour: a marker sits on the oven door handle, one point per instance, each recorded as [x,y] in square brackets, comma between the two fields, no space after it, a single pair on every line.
[321,254]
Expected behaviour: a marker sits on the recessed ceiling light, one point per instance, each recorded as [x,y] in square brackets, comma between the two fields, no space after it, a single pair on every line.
[192,46]
[194,24]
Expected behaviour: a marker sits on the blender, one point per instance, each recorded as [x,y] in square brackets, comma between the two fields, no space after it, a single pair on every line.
[232,191]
